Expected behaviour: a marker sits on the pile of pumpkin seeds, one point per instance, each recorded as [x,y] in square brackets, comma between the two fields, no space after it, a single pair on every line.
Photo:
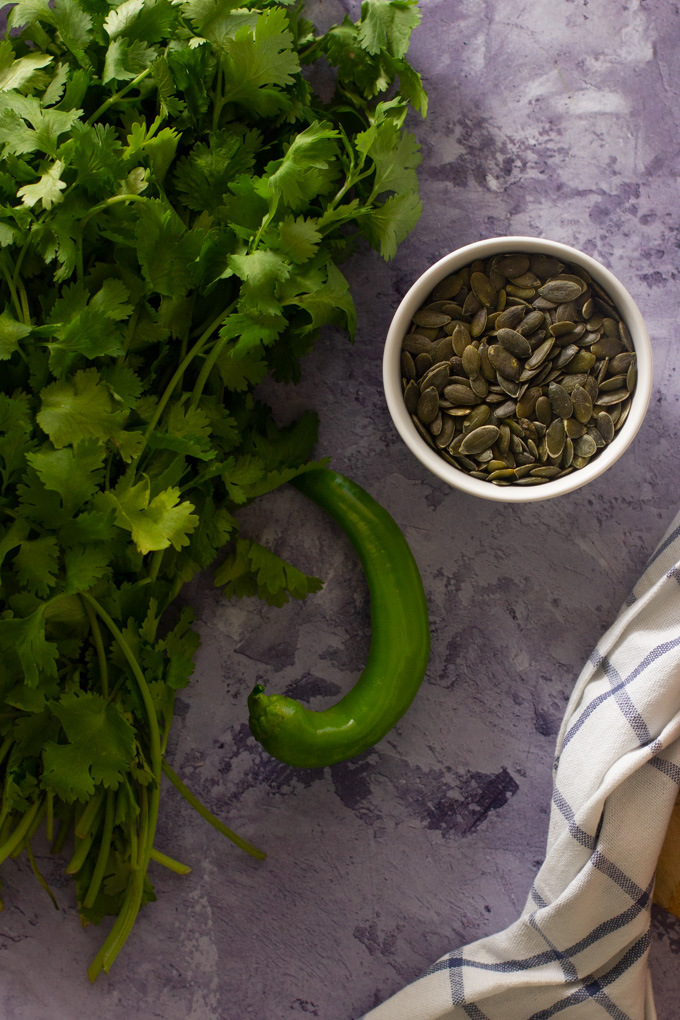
[518,369]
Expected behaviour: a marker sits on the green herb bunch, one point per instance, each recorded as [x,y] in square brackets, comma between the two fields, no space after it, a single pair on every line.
[174,203]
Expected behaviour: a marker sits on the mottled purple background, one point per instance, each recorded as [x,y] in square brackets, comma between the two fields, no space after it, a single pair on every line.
[555,118]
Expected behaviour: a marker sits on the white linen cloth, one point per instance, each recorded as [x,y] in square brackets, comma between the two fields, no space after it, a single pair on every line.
[579,951]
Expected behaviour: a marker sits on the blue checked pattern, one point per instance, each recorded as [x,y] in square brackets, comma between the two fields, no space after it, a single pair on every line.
[579,950]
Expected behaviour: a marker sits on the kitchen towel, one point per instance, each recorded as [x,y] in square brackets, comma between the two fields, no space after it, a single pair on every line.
[580,948]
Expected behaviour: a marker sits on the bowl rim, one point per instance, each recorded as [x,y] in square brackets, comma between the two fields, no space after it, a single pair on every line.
[482,249]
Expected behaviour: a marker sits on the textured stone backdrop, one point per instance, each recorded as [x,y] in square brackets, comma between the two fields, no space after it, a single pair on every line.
[555,118]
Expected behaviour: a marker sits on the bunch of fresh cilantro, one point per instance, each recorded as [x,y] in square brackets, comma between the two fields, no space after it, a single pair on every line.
[174,202]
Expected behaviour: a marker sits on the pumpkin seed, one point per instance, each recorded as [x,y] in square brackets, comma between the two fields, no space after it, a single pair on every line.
[479,440]
[411,396]
[504,362]
[430,319]
[472,362]
[428,405]
[555,438]
[448,287]
[560,290]
[560,401]
[583,404]
[514,342]
[483,289]
[613,397]
[460,338]
[510,317]
[585,446]
[511,266]
[461,395]
[605,426]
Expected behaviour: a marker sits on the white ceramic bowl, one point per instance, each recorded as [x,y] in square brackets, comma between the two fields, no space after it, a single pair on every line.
[417,295]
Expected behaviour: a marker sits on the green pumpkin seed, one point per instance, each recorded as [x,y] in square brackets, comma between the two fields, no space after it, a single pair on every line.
[560,401]
[443,351]
[411,396]
[613,397]
[583,404]
[514,342]
[428,405]
[511,266]
[422,362]
[585,446]
[605,426]
[461,395]
[607,347]
[483,290]
[448,287]
[560,290]
[574,428]
[543,411]
[555,438]
[429,319]
[408,368]
[510,317]
[504,362]
[472,362]
[437,376]
[479,440]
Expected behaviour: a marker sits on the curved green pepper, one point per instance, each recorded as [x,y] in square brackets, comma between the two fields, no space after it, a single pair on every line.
[400,640]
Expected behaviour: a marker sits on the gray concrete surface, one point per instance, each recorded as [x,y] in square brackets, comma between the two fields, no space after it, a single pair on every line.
[554,118]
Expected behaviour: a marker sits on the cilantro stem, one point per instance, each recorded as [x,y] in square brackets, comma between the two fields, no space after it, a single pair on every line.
[184,364]
[126,919]
[169,862]
[86,820]
[121,928]
[5,746]
[84,843]
[49,834]
[206,369]
[155,565]
[64,829]
[99,645]
[38,874]
[103,854]
[114,200]
[118,95]
[141,683]
[16,837]
[36,821]
[12,290]
[209,816]
[143,827]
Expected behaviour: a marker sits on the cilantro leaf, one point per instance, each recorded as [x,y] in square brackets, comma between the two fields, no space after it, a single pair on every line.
[259,62]
[11,332]
[388,24]
[153,523]
[253,570]
[25,638]
[47,190]
[36,564]
[75,472]
[389,224]
[100,748]
[16,74]
[85,565]
[308,168]
[260,272]
[79,408]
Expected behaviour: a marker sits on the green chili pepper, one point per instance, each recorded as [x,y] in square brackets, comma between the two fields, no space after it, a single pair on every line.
[400,640]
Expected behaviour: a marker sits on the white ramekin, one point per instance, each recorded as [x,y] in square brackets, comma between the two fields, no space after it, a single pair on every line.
[417,295]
